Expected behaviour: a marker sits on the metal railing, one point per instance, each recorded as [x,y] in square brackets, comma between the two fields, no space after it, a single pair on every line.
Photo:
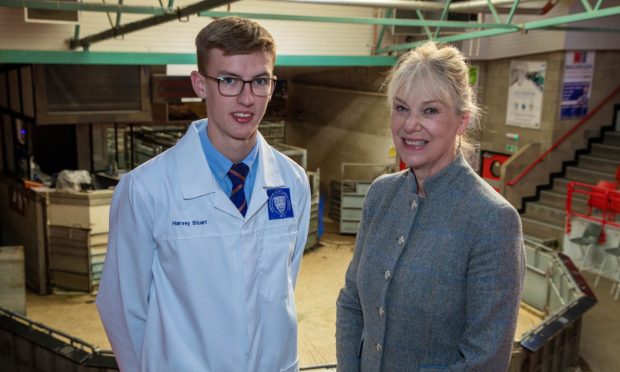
[557,143]
[606,200]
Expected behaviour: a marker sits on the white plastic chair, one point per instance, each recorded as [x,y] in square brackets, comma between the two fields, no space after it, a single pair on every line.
[586,241]
[615,274]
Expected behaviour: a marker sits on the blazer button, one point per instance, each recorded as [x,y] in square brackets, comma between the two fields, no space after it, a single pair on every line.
[387,274]
[381,311]
[414,204]
[379,347]
[401,240]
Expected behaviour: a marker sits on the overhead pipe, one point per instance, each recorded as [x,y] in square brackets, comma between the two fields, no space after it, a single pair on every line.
[146,23]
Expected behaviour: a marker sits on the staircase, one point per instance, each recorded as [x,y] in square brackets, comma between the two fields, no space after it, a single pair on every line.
[544,219]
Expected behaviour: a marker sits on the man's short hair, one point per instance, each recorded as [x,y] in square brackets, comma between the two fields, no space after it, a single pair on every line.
[233,35]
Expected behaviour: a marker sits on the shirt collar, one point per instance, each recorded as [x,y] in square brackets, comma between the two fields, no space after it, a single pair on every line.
[218,162]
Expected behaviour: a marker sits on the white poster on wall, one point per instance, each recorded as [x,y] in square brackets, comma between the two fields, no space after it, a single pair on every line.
[577,84]
[525,93]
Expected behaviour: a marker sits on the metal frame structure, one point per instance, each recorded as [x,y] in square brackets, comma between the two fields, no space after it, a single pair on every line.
[442,29]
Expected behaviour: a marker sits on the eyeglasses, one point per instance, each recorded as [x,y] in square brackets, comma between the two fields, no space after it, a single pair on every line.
[232,87]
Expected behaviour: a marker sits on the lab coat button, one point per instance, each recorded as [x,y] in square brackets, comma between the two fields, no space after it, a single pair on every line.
[387,274]
[401,240]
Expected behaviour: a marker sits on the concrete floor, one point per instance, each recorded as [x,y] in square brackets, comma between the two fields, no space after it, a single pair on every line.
[321,277]
[600,330]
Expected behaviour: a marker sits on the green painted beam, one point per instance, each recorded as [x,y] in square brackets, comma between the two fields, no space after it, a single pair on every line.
[147,22]
[513,9]
[383,30]
[571,18]
[356,20]
[581,29]
[550,24]
[85,7]
[296,60]
[586,5]
[447,39]
[493,11]
[444,15]
[113,58]
[427,30]
[118,15]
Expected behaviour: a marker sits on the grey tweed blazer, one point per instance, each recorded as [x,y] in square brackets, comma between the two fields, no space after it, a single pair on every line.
[435,283]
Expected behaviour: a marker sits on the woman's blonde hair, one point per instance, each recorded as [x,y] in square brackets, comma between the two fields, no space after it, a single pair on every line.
[439,71]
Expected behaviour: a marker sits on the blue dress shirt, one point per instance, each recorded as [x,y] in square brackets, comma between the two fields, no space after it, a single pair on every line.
[220,164]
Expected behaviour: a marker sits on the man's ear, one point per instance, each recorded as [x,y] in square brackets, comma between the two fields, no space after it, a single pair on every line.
[199,85]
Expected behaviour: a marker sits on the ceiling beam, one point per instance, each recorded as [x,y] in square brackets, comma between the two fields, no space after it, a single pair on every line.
[543,24]
[85,7]
[178,14]
[357,20]
[117,58]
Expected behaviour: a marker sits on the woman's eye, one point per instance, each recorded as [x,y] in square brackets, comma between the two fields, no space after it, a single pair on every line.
[430,111]
[400,108]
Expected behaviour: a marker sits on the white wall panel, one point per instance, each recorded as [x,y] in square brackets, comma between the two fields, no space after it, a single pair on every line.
[15,33]
[300,38]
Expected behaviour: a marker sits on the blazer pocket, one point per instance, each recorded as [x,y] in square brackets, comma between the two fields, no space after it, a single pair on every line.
[276,253]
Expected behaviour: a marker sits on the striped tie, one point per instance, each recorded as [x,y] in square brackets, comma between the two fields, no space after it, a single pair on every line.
[237,174]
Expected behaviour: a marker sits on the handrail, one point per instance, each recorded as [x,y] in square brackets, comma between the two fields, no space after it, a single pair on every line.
[561,139]
[608,208]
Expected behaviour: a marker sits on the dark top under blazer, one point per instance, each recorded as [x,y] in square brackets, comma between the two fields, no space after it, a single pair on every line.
[435,283]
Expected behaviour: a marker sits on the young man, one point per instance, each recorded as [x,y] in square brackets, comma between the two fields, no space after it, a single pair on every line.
[206,239]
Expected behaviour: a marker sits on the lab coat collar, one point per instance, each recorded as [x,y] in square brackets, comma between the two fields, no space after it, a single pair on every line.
[268,176]
[197,179]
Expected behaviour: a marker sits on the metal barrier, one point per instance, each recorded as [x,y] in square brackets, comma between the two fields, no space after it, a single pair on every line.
[553,287]
[26,345]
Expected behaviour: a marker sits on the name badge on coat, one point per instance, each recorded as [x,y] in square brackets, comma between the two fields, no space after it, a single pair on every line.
[280,205]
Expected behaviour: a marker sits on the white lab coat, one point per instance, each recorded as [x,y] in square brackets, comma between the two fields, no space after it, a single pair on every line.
[173,294]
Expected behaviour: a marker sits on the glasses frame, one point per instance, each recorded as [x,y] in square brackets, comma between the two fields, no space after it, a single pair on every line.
[220,79]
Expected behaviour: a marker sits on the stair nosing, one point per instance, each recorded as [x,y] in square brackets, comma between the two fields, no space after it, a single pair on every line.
[588,170]
[533,220]
[603,145]
[598,158]
[547,207]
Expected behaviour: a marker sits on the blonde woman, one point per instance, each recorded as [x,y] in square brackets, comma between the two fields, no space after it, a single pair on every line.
[436,278]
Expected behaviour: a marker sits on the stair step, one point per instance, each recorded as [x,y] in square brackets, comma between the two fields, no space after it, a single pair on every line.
[588,175]
[560,185]
[558,200]
[551,243]
[605,151]
[545,213]
[612,138]
[542,230]
[596,163]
